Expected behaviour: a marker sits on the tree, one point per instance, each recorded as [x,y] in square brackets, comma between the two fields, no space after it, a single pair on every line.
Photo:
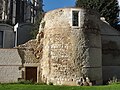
[39,16]
[107,8]
[36,24]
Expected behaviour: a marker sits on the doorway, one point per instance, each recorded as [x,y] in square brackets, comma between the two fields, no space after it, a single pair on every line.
[31,73]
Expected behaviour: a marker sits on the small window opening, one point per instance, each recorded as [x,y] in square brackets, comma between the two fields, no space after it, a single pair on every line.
[75,18]
[0,16]
[1,39]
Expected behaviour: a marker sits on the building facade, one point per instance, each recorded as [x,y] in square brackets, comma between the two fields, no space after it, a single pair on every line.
[19,11]
[73,46]
[21,15]
[77,45]
[7,36]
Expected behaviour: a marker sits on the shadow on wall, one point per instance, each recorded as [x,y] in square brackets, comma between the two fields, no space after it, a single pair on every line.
[24,33]
[6,36]
[111,48]
[22,55]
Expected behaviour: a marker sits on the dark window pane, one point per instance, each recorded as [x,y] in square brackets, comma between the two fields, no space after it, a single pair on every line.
[1,39]
[75,18]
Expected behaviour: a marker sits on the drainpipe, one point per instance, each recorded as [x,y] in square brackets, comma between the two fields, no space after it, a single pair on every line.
[16,31]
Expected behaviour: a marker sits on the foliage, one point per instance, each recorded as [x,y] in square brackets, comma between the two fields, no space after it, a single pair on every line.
[36,25]
[106,8]
[25,82]
[113,81]
[42,83]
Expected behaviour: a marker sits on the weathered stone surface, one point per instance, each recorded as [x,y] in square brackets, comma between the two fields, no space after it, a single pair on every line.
[73,55]
[9,57]
[69,50]
[31,52]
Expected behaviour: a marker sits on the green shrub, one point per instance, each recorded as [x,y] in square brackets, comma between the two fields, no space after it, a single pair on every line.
[113,81]
[25,82]
[40,83]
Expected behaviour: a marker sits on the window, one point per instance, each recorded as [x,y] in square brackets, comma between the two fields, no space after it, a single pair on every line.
[1,39]
[0,16]
[75,18]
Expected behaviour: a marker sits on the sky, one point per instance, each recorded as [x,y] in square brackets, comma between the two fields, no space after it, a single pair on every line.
[54,4]
[119,2]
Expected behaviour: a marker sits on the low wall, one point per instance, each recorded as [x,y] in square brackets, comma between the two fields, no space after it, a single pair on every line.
[10,64]
[110,52]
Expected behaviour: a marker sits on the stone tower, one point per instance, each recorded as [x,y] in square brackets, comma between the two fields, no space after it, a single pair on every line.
[71,47]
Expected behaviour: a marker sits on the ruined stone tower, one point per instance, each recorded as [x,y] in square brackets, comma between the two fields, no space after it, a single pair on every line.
[67,51]
[71,47]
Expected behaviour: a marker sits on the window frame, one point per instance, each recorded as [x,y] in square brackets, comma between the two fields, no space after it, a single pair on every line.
[2,40]
[75,10]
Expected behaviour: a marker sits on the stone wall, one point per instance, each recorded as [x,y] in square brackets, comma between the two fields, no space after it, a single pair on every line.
[27,52]
[71,52]
[69,55]
[31,54]
[10,64]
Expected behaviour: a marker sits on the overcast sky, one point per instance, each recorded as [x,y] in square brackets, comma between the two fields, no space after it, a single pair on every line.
[54,4]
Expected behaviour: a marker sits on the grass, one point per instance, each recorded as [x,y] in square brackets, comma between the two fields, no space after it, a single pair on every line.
[51,87]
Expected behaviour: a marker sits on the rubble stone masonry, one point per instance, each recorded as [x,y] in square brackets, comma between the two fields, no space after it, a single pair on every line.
[71,52]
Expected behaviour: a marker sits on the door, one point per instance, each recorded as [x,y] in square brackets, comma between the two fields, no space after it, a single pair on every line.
[31,73]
